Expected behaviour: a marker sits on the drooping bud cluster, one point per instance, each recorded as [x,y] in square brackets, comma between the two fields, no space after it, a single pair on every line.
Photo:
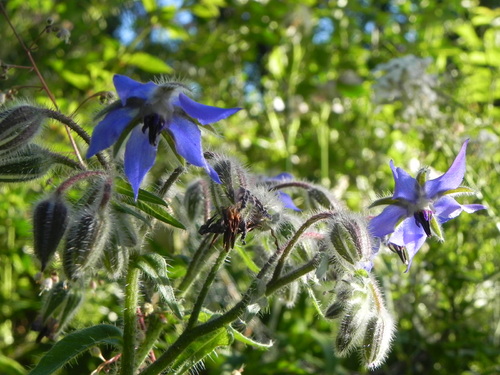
[365,323]
[87,236]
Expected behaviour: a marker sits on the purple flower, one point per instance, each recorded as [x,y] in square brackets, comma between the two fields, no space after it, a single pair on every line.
[144,111]
[418,207]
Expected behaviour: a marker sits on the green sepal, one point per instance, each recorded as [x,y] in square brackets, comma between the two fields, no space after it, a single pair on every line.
[384,201]
[238,336]
[459,190]
[74,344]
[436,228]
[155,267]
[422,176]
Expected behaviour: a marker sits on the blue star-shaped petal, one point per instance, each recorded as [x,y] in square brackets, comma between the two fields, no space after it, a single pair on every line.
[154,109]
[417,208]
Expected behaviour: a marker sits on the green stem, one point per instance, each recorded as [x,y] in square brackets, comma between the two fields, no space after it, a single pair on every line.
[191,335]
[65,160]
[170,181]
[284,252]
[76,128]
[155,328]
[203,252]
[193,318]
[292,276]
[128,362]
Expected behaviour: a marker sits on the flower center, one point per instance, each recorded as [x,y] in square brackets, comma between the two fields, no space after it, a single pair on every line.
[154,124]
[423,218]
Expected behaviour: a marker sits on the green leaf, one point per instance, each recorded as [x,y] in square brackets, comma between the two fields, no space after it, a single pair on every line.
[80,81]
[148,63]
[123,187]
[156,212]
[247,259]
[201,348]
[75,344]
[129,211]
[248,341]
[9,366]
[155,266]
[149,5]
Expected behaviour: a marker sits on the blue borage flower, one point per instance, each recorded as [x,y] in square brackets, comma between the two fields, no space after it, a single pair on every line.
[147,109]
[418,207]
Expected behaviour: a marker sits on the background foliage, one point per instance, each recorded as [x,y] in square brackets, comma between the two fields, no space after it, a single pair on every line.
[303,71]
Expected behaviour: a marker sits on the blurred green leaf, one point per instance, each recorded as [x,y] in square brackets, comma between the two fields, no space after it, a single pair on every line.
[147,62]
[74,344]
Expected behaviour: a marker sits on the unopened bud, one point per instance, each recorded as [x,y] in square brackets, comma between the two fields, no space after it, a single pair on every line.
[351,240]
[323,197]
[50,21]
[377,340]
[50,220]
[195,199]
[53,300]
[29,163]
[115,260]
[73,301]
[352,327]
[18,125]
[85,242]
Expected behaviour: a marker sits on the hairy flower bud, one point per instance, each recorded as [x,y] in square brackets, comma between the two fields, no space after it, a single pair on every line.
[351,240]
[29,163]
[85,242]
[377,339]
[115,260]
[196,200]
[18,125]
[50,219]
[352,327]
[322,197]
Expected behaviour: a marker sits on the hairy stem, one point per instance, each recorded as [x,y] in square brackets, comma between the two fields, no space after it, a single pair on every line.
[170,181]
[203,252]
[284,252]
[70,123]
[274,285]
[204,290]
[155,328]
[128,362]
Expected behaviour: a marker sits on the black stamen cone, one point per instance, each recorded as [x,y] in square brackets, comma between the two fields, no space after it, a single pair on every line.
[423,218]
[154,123]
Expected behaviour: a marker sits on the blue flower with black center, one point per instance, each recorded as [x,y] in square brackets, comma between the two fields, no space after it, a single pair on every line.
[147,109]
[418,207]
